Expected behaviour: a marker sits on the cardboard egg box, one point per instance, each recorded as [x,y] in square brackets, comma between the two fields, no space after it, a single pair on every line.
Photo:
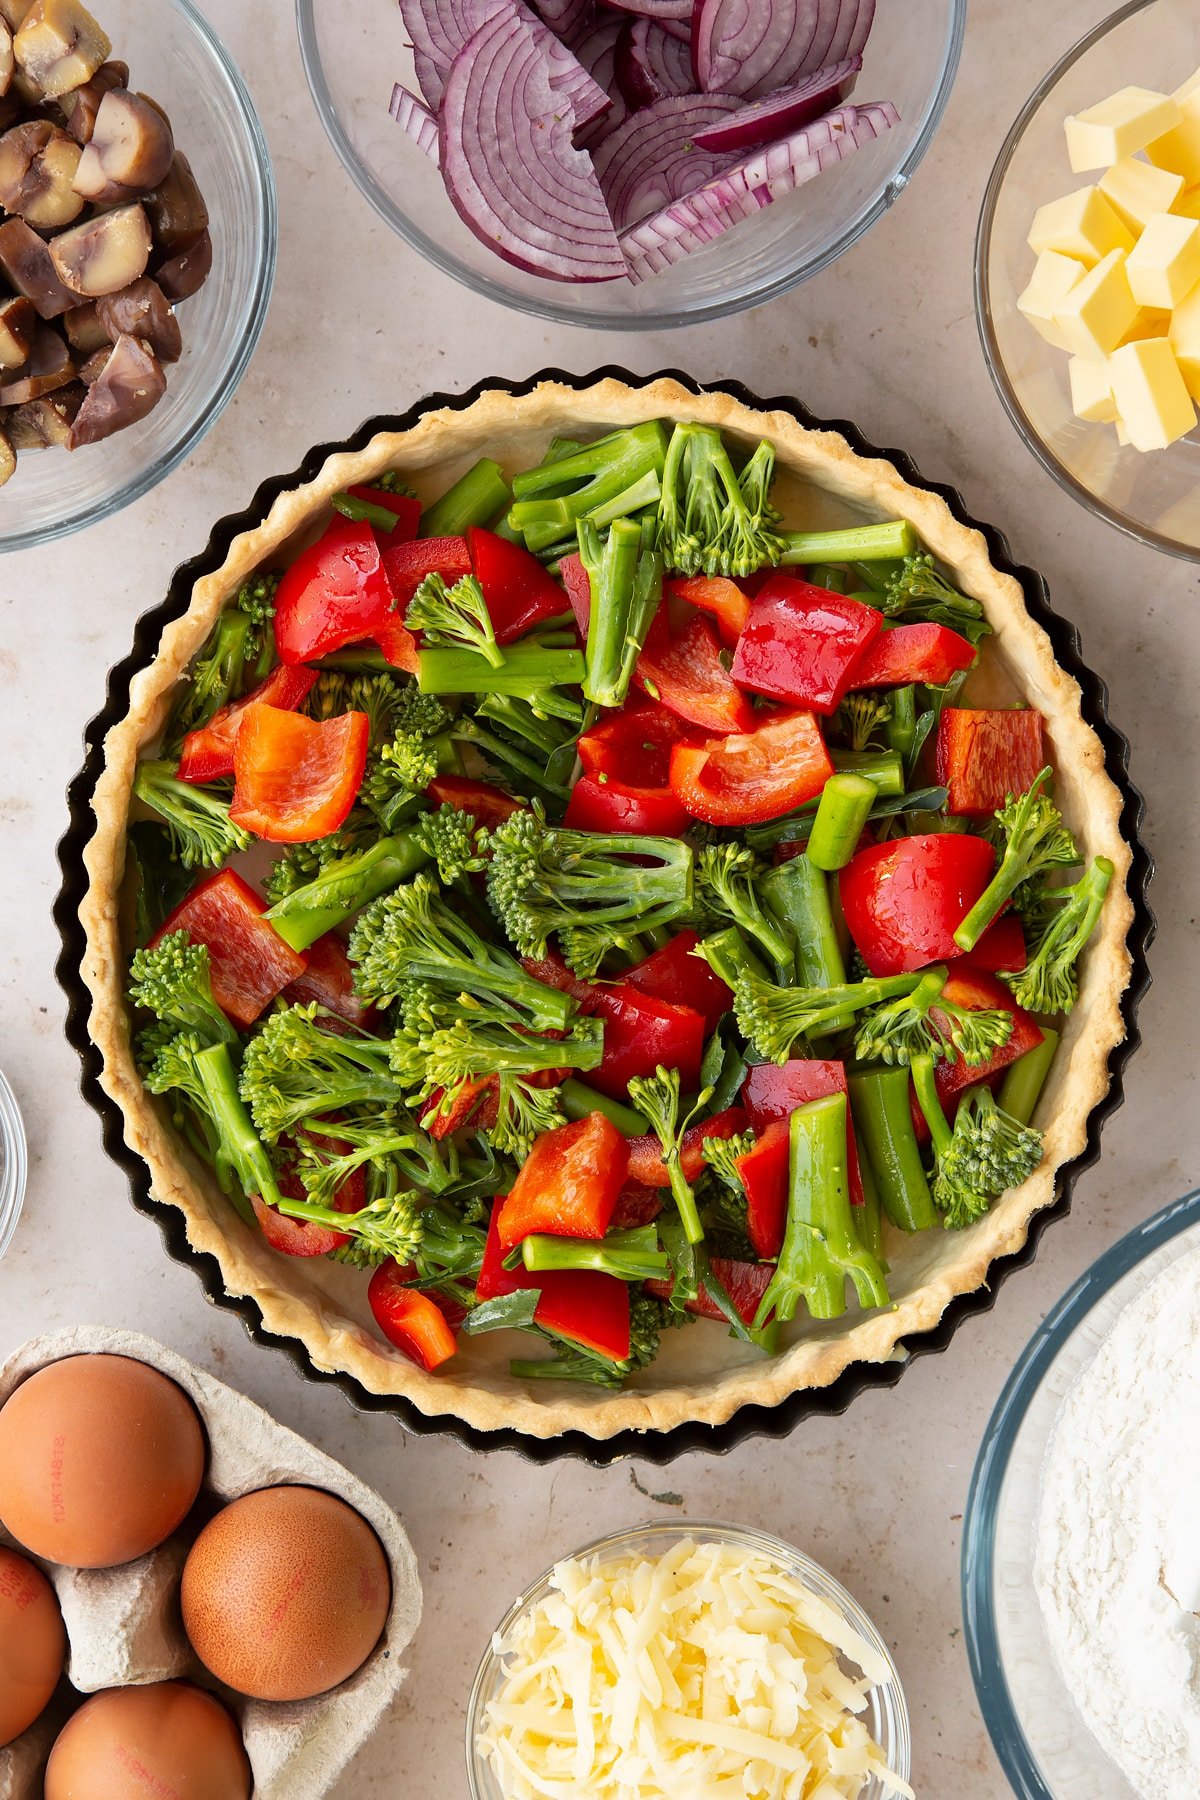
[124,1627]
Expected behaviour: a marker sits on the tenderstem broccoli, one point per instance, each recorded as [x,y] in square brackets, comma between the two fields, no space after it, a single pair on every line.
[923,1023]
[444,1042]
[799,895]
[399,773]
[523,1112]
[173,982]
[879,1101]
[448,838]
[842,811]
[1036,841]
[475,499]
[529,670]
[657,1098]
[520,719]
[776,1019]
[218,673]
[721,1155]
[514,765]
[986,1152]
[865,544]
[202,834]
[455,617]
[821,1245]
[609,479]
[594,890]
[202,1077]
[711,520]
[626,576]
[387,1227]
[1049,982]
[295,1069]
[727,877]
[345,885]
[861,716]
[629,1255]
[918,590]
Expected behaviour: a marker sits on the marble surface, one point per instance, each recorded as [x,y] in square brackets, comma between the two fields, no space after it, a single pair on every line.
[886,337]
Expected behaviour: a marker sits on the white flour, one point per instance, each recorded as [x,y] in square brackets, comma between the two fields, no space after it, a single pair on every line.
[1117,1562]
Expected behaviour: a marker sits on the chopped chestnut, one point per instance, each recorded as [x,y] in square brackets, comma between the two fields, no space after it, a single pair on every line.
[130,150]
[95,365]
[7,59]
[80,107]
[176,208]
[38,424]
[103,254]
[26,261]
[129,385]
[84,331]
[18,322]
[141,311]
[186,272]
[37,166]
[59,47]
[13,13]
[49,367]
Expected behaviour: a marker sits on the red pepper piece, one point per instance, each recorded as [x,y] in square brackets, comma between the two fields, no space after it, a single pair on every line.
[335,593]
[328,979]
[924,652]
[801,643]
[248,961]
[518,590]
[568,1184]
[207,754]
[626,785]
[984,756]
[1002,946]
[587,1307]
[495,1281]
[407,565]
[718,595]
[764,1176]
[685,672]
[646,1158]
[903,900]
[609,805]
[300,1237]
[469,1098]
[295,778]
[773,1091]
[636,1205]
[488,805]
[640,1032]
[578,585]
[406,510]
[675,975]
[744,1282]
[409,1319]
[975,988]
[752,776]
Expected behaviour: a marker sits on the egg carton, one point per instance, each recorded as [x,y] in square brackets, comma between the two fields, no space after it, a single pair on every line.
[124,1627]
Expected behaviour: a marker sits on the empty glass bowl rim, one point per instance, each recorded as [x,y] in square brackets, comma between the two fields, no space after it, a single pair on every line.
[632,1537]
[234,368]
[1026,430]
[991,1467]
[670,319]
[14,1163]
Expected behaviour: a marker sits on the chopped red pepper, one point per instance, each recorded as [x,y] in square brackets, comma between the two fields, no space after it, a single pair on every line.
[488,805]
[578,585]
[906,653]
[335,593]
[685,672]
[802,643]
[470,1097]
[675,975]
[752,776]
[636,1205]
[295,779]
[773,1091]
[248,961]
[609,805]
[300,1237]
[646,1158]
[1002,946]
[328,979]
[407,565]
[626,786]
[764,1177]
[410,1319]
[587,1307]
[744,1282]
[975,988]
[207,753]
[984,756]
[718,595]
[904,899]
[640,1032]
[568,1184]
[518,590]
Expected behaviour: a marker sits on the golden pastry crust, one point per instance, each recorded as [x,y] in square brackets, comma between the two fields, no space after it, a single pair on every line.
[705,1377]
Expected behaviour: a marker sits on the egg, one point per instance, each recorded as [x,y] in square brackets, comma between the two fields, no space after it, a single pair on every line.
[170,1740]
[285,1593]
[33,1644]
[101,1459]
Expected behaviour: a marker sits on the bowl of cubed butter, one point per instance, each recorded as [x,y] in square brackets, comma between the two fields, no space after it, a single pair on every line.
[1087,275]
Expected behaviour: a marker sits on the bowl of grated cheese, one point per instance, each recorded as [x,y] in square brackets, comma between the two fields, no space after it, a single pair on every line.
[688,1659]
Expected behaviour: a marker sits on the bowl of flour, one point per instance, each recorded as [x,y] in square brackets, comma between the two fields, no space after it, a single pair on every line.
[1081,1547]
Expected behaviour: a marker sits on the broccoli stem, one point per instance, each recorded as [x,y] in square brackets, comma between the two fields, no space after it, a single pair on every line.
[508,757]
[883,1119]
[239,1149]
[629,1255]
[929,1100]
[364,512]
[1036,841]
[578,1100]
[869,1216]
[797,892]
[821,1245]
[857,543]
[876,575]
[367,659]
[884,767]
[843,810]
[901,728]
[729,956]
[612,569]
[527,671]
[796,827]
[475,498]
[344,886]
[1022,1086]
[832,579]
[607,480]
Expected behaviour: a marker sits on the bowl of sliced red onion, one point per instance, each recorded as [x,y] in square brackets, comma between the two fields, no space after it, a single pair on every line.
[644,164]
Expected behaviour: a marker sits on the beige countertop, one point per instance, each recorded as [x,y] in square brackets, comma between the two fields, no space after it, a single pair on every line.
[887,338]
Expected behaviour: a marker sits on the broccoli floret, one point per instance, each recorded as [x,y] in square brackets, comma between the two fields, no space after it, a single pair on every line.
[711,520]
[775,1019]
[334,874]
[1035,842]
[1049,982]
[203,836]
[295,1069]
[924,1023]
[398,776]
[861,718]
[919,591]
[387,1227]
[446,1041]
[383,1141]
[202,1077]
[523,1113]
[726,885]
[256,602]
[448,837]
[596,891]
[656,1097]
[456,618]
[218,674]
[173,982]
[986,1152]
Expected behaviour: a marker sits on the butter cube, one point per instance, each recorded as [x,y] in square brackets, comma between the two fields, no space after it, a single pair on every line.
[1119,126]
[1152,321]
[1082,225]
[1188,204]
[1052,280]
[1150,393]
[1184,336]
[1091,391]
[1136,191]
[1099,309]
[1179,148]
[1164,265]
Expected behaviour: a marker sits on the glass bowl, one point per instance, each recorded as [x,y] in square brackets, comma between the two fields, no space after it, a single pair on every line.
[1045,1748]
[886,1713]
[175,56]
[13,1164]
[1153,496]
[353,54]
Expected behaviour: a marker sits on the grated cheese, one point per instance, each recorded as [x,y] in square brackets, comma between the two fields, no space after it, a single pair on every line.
[707,1673]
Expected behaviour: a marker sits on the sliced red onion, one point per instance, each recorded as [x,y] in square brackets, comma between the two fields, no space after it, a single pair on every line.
[742,189]
[510,168]
[440,28]
[752,49]
[568,19]
[414,117]
[596,52]
[783,112]
[663,12]
[851,39]
[652,159]
[649,64]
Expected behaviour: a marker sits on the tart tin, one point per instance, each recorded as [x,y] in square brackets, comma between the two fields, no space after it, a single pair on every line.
[14,1164]
[749,1421]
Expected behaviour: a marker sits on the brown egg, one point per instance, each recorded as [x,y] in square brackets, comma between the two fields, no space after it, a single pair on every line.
[171,1741]
[101,1459]
[285,1593]
[33,1644]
